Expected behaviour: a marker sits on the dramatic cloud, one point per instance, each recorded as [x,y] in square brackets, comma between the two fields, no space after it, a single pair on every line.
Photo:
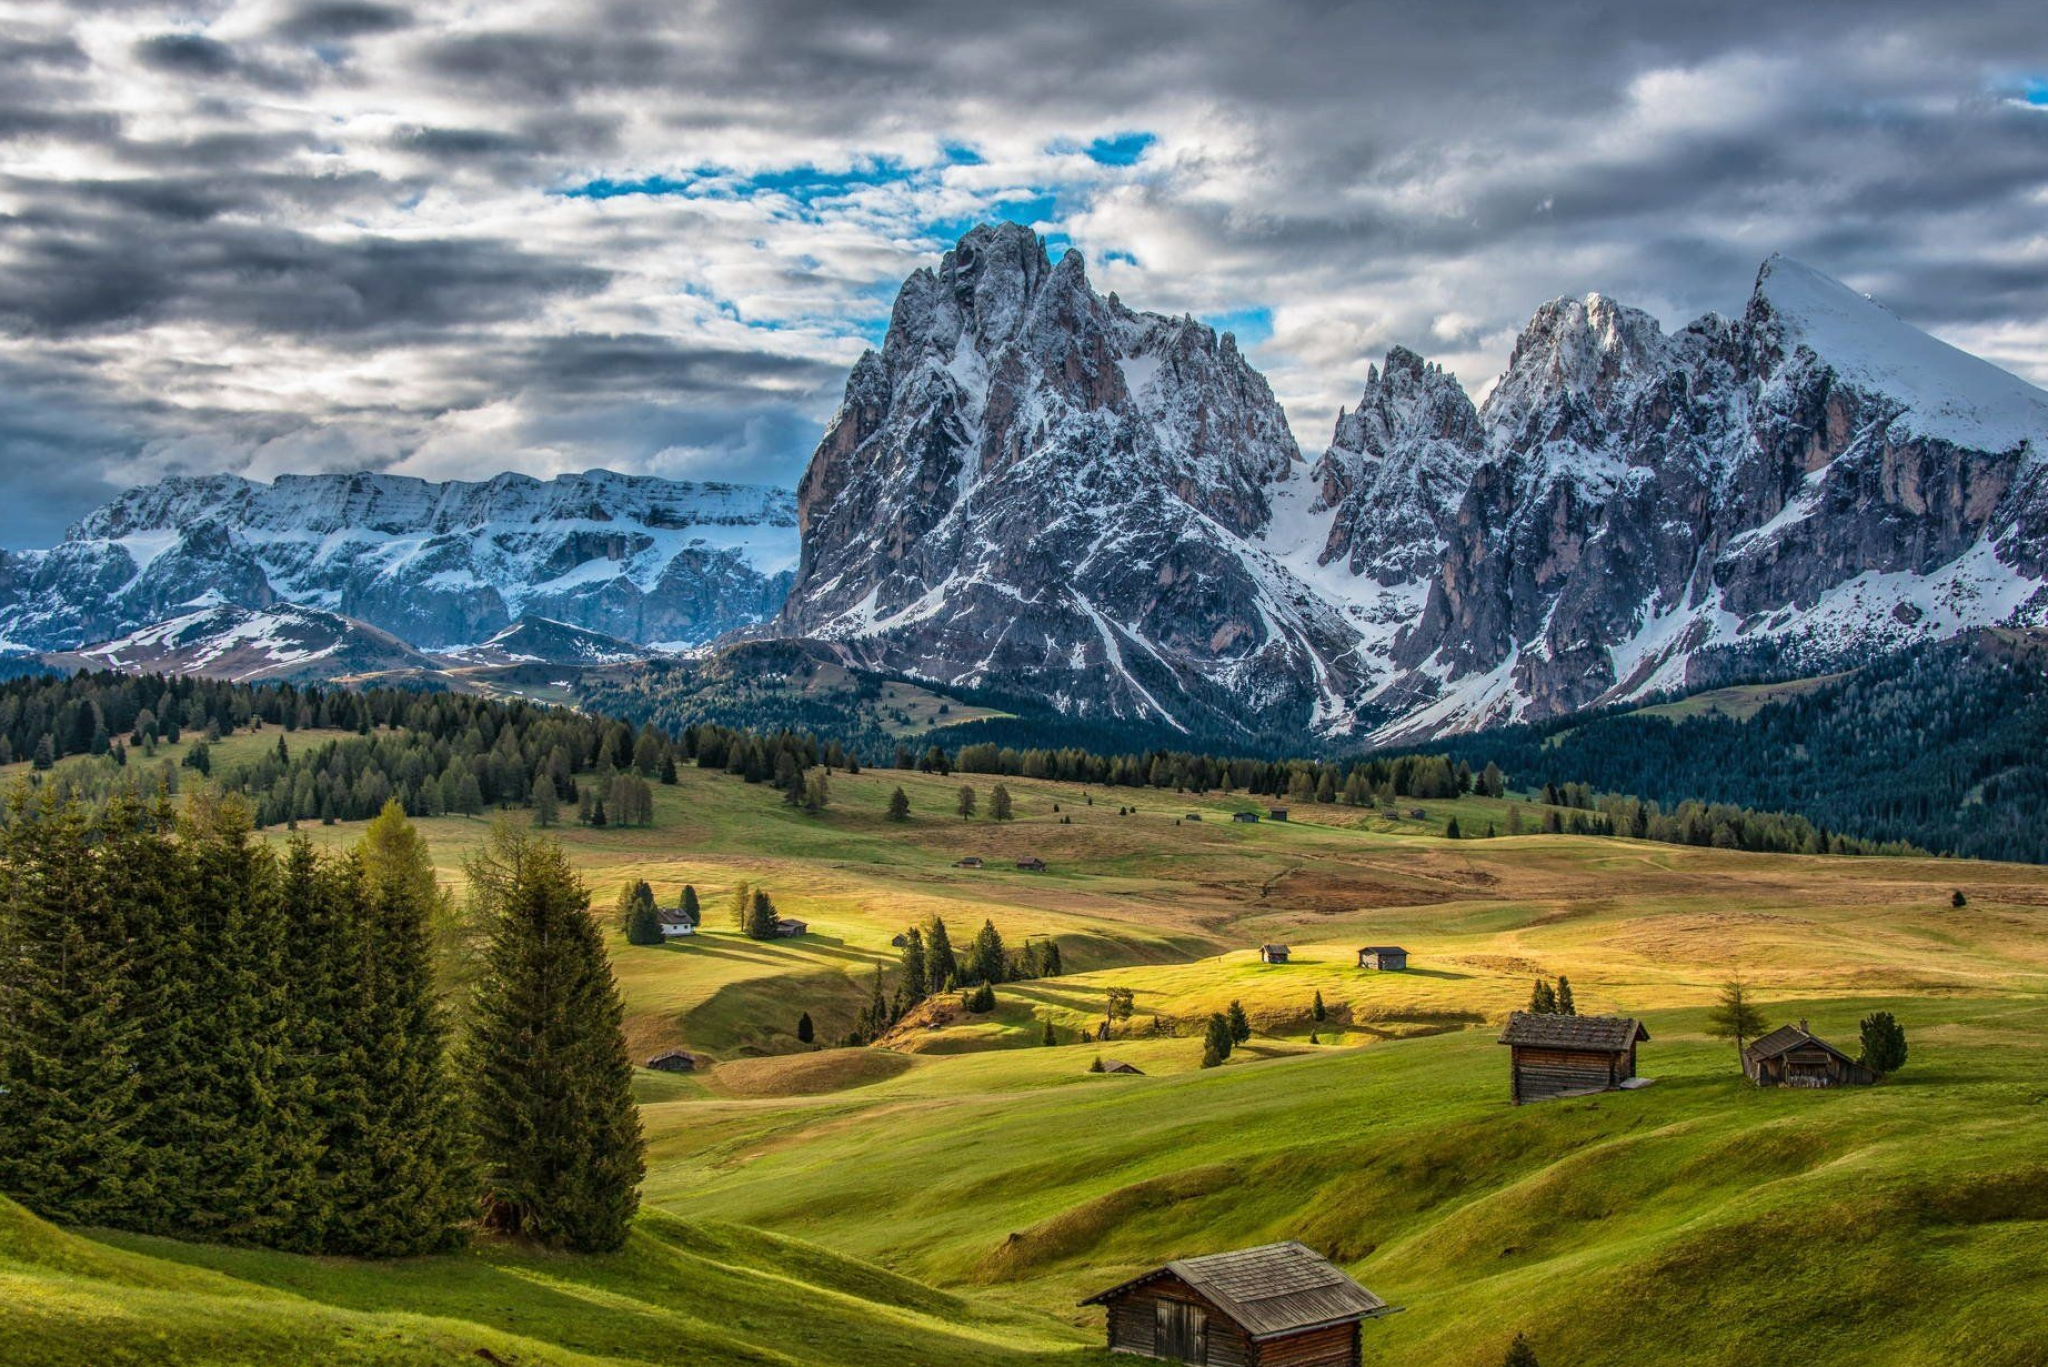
[267,235]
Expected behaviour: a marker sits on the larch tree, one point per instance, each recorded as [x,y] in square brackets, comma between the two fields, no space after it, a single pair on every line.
[1734,1015]
[899,806]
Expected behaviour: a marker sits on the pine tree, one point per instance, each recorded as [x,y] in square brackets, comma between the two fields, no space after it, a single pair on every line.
[1884,1043]
[693,911]
[999,803]
[987,961]
[1216,1041]
[941,970]
[1318,1010]
[641,917]
[551,1105]
[914,981]
[1735,1016]
[1240,1026]
[1956,899]
[1451,831]
[1543,1000]
[805,1031]
[761,917]
[899,806]
[982,999]
[1520,1354]
[1565,1005]
[68,1143]
[965,805]
[1049,966]
[1047,1036]
[546,807]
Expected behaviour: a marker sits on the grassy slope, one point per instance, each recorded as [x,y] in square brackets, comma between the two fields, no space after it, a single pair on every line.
[1892,1225]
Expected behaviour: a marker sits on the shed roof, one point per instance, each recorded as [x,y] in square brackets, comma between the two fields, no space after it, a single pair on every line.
[1594,1034]
[1269,1291]
[1381,949]
[1786,1038]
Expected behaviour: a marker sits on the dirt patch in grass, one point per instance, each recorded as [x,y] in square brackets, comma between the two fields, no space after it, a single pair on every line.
[1329,894]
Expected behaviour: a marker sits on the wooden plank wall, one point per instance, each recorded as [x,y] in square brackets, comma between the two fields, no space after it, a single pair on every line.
[1336,1346]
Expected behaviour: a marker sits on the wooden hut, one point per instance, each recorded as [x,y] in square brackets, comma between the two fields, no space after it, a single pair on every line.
[674,921]
[1248,818]
[1032,865]
[1119,1066]
[1193,816]
[674,1061]
[1384,958]
[1793,1056]
[1569,1055]
[1272,954]
[1281,1305]
[972,861]
[1276,813]
[788,927]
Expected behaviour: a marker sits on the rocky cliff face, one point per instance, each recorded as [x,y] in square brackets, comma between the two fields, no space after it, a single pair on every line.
[647,560]
[1033,488]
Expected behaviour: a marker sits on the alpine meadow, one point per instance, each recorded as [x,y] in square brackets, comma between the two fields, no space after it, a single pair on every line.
[684,689]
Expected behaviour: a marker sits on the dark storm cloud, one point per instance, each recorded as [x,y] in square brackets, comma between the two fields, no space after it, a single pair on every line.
[379,190]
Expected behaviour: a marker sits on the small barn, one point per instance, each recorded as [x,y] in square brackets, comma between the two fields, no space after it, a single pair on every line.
[788,928]
[1793,1056]
[1032,865]
[1248,818]
[1194,816]
[1273,1305]
[899,940]
[1119,1066]
[972,861]
[1277,813]
[1556,1056]
[674,1061]
[675,921]
[1272,954]
[1385,958]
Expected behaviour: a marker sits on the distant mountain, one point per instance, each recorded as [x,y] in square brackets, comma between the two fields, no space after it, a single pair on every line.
[1034,491]
[281,643]
[537,640]
[641,559]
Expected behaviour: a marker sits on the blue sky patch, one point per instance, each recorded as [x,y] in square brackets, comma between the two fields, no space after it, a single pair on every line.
[1252,326]
[1123,149]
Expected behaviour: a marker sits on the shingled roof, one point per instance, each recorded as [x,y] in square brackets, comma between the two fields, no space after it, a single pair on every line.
[1786,1038]
[1271,1290]
[1593,1034]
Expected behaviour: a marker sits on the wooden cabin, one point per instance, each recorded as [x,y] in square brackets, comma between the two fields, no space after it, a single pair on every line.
[1272,954]
[1281,1305]
[1384,958]
[1246,817]
[788,927]
[1119,1066]
[674,1061]
[899,940]
[1277,813]
[972,861]
[1193,816]
[1032,865]
[1793,1056]
[1555,1056]
[675,921]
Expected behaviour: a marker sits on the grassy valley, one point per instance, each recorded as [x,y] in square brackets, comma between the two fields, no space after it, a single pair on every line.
[950,1195]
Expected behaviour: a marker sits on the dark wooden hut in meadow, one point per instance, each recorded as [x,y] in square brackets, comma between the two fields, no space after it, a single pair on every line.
[788,927]
[972,861]
[1280,1305]
[1119,1066]
[674,1061]
[1032,865]
[1792,1056]
[1248,818]
[1385,958]
[1273,954]
[1554,1056]
[1276,813]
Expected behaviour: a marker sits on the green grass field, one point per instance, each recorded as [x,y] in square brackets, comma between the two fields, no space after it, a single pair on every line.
[948,1197]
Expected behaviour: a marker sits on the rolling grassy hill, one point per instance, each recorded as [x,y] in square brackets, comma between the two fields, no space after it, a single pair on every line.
[949,1198]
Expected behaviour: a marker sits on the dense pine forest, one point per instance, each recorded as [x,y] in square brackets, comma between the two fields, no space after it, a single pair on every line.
[1944,746]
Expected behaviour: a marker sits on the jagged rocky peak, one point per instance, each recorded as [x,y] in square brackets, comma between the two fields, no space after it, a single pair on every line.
[1591,353]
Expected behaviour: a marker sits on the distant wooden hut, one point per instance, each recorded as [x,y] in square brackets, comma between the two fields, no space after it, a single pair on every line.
[788,927]
[1119,1066]
[1384,958]
[1248,818]
[1273,954]
[1793,1056]
[1277,813]
[1556,1056]
[899,940]
[1193,816]
[1280,1304]
[972,861]
[1032,865]
[674,1061]
[674,921]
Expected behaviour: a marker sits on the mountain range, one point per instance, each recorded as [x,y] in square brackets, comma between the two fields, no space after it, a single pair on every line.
[1034,491]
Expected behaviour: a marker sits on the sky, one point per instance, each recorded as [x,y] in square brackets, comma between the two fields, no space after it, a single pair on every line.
[454,239]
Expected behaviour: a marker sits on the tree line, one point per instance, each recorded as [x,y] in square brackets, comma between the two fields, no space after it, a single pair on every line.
[204,1037]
